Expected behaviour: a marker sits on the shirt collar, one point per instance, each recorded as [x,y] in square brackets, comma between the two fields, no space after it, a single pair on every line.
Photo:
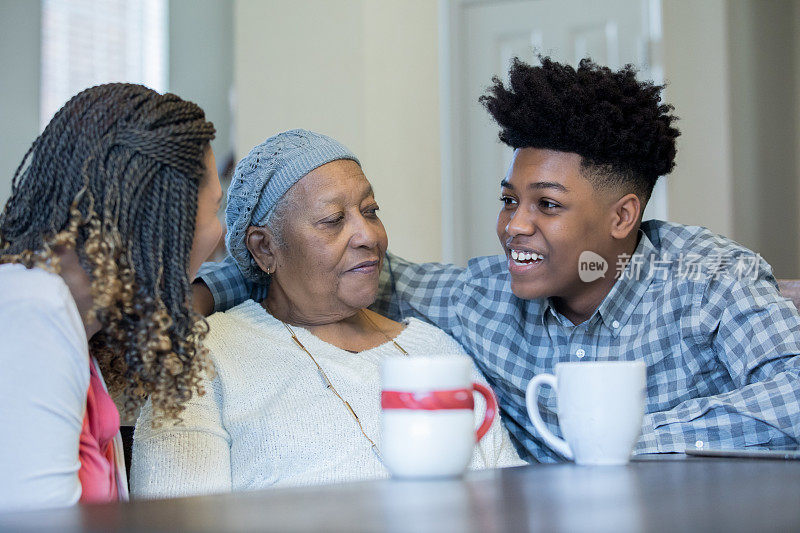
[617,307]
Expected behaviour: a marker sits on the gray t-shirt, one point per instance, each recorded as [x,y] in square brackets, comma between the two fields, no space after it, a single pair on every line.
[44,376]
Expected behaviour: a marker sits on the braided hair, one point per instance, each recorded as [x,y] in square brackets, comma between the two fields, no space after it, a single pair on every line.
[115,177]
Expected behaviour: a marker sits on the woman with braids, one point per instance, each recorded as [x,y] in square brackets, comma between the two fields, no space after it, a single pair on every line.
[112,211]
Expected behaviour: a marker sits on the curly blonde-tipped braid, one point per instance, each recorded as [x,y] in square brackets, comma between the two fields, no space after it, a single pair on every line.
[115,177]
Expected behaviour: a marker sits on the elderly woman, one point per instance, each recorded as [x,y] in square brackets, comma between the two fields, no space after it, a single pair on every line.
[301,216]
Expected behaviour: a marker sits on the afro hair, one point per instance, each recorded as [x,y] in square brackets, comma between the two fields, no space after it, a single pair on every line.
[617,124]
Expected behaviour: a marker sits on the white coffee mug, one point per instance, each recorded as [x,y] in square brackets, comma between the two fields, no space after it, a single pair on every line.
[600,408]
[428,415]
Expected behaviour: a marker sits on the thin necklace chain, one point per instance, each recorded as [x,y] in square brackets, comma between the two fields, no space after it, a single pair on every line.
[379,330]
[328,382]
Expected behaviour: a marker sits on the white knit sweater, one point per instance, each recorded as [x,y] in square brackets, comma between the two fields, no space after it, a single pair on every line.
[267,418]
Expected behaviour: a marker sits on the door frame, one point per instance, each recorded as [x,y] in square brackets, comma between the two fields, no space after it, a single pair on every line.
[452,125]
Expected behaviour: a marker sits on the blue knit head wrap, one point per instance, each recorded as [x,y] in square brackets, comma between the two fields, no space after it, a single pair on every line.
[263,177]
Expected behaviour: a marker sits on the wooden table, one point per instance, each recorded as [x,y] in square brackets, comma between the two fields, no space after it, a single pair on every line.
[664,495]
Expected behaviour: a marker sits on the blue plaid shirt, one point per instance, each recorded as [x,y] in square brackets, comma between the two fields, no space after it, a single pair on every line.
[720,343]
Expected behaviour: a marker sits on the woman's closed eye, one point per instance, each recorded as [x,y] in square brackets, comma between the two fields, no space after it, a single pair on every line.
[333,219]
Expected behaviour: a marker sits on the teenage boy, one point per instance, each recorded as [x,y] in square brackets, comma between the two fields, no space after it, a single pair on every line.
[582,277]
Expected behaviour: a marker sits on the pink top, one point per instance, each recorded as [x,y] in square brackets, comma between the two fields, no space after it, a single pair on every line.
[98,475]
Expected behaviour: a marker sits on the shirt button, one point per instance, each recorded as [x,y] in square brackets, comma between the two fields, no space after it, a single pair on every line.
[698,444]
[615,324]
[580,353]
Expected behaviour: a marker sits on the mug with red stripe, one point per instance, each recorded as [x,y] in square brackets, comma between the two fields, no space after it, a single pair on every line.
[428,415]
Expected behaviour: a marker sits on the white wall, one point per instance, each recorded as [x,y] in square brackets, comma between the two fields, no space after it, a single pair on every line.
[363,72]
[20,43]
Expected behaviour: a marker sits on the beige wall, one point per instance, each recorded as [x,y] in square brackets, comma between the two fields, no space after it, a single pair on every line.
[764,130]
[796,19]
[732,70]
[364,72]
[696,70]
[402,144]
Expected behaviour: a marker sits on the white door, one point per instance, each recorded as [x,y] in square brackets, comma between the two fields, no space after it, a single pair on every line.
[483,38]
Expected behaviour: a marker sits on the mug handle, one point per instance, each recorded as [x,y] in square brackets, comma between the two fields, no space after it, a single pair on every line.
[532,402]
[491,410]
